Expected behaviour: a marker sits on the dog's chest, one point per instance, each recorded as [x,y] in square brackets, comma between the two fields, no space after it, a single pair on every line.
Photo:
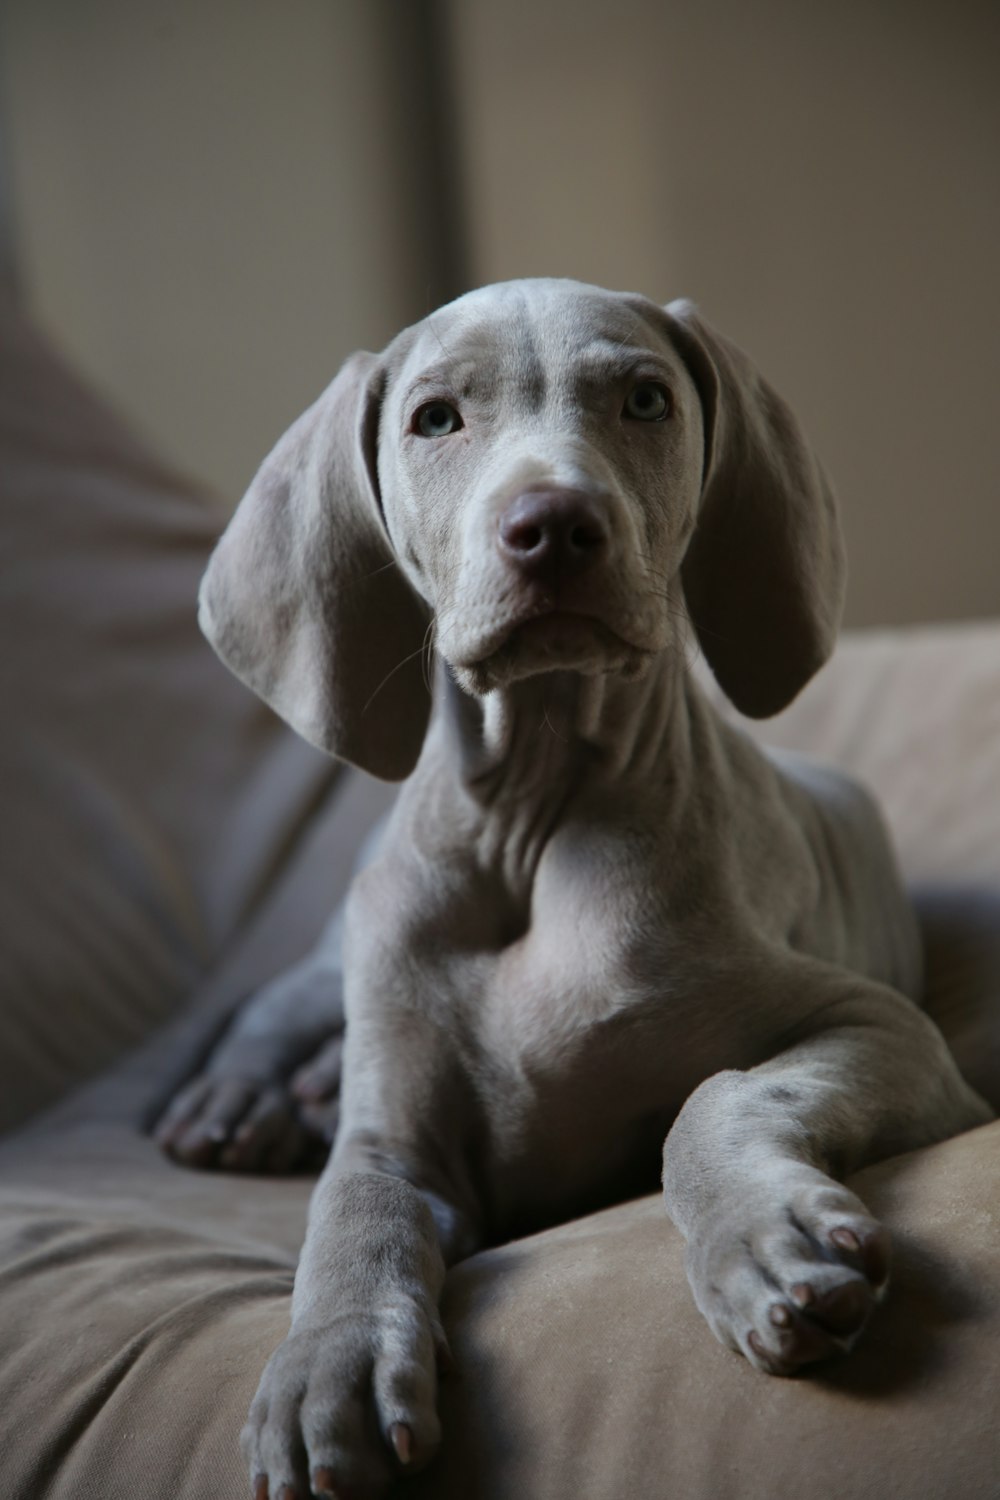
[585,926]
[582,1026]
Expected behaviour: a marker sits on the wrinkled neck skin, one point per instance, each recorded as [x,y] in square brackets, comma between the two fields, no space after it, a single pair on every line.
[512,763]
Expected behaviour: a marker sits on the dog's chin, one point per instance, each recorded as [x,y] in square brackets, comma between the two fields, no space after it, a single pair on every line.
[556,642]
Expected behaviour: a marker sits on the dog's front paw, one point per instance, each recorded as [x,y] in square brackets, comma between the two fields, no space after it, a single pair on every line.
[344,1409]
[793,1276]
[237,1124]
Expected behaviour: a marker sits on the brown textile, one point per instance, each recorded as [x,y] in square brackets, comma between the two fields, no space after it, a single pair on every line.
[139,1301]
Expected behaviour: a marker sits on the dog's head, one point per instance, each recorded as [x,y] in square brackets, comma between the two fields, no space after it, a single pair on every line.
[546,476]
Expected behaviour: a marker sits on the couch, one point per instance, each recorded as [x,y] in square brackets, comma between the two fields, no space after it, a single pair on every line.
[167,845]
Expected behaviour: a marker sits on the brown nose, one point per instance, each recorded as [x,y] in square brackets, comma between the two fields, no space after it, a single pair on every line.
[553,533]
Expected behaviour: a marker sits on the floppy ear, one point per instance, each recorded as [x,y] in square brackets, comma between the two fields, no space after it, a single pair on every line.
[303,600]
[764,573]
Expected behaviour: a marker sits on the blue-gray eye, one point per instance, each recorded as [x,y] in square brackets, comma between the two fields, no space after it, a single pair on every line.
[649,401]
[436,419]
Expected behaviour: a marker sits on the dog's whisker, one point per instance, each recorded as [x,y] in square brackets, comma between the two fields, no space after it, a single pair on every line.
[547,723]
[389,675]
[392,563]
[427,654]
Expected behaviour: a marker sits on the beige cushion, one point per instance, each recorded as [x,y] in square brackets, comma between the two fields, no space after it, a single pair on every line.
[586,1369]
[139,1302]
[916,714]
[147,800]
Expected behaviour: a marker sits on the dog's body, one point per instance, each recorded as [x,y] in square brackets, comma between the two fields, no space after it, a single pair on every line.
[600,918]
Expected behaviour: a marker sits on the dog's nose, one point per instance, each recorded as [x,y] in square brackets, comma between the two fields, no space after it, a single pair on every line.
[553,533]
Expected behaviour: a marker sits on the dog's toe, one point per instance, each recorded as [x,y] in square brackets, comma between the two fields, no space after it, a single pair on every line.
[798,1282]
[352,1405]
[237,1124]
[318,1080]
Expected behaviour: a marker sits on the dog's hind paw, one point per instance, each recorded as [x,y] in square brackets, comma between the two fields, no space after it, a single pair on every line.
[235,1125]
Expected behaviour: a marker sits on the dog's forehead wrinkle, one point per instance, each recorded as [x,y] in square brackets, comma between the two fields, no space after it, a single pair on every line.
[460,378]
[482,361]
[527,337]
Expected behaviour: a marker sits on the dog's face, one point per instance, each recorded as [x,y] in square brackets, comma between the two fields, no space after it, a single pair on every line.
[540,476]
[540,455]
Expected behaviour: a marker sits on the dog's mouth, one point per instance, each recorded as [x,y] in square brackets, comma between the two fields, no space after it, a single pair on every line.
[553,640]
[558,633]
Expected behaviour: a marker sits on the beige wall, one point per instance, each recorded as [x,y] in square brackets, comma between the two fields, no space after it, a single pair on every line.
[217,200]
[211,205]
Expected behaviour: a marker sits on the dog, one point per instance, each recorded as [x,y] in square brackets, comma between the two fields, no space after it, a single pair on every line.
[602,929]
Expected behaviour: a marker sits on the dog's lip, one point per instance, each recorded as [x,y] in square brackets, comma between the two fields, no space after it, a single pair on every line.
[541,616]
[542,620]
[564,629]
[548,623]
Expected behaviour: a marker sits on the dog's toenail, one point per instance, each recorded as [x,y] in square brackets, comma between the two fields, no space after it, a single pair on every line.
[802,1294]
[780,1316]
[322,1483]
[260,1487]
[846,1239]
[401,1439]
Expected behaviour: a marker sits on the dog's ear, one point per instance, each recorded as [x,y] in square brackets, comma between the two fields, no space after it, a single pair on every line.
[764,573]
[303,599]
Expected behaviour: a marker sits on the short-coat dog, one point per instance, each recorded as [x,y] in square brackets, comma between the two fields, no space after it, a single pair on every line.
[602,929]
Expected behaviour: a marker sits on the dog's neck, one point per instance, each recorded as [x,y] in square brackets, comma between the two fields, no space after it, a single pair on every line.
[522,753]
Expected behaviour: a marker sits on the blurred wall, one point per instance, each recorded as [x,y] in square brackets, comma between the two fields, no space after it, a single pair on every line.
[216,201]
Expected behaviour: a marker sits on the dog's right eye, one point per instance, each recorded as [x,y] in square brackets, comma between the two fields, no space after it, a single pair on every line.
[436,419]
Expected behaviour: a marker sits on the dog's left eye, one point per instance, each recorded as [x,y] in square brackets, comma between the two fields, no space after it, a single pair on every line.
[436,419]
[649,401]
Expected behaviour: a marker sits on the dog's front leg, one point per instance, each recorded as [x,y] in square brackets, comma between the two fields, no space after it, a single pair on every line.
[348,1401]
[785,1263]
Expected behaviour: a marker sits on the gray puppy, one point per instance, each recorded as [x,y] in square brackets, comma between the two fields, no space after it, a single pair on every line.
[600,918]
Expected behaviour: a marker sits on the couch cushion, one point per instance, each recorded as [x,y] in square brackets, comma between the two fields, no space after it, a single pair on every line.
[147,799]
[586,1370]
[915,713]
[140,1301]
